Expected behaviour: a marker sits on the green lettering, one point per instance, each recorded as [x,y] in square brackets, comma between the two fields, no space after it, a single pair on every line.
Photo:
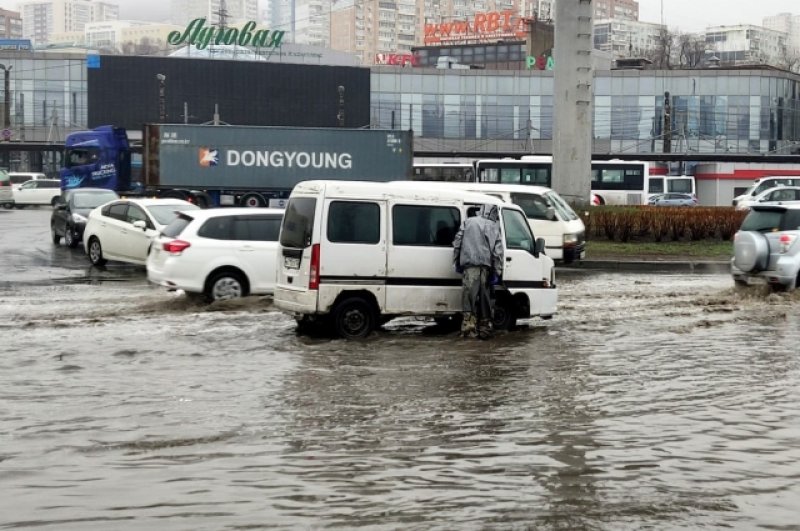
[231,34]
[260,40]
[203,38]
[277,37]
[246,34]
[530,61]
[219,36]
[176,37]
[551,63]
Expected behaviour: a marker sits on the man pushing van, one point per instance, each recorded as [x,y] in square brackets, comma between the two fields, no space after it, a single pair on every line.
[478,253]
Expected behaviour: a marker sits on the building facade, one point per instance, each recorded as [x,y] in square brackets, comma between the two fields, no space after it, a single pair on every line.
[603,9]
[626,38]
[10,24]
[41,19]
[789,24]
[747,44]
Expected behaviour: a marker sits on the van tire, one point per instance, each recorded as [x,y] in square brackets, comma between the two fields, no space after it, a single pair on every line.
[505,317]
[354,318]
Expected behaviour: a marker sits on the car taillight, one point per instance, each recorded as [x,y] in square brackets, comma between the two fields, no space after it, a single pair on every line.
[786,241]
[176,246]
[313,270]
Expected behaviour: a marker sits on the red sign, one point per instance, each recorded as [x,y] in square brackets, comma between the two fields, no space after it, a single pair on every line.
[485,27]
[396,59]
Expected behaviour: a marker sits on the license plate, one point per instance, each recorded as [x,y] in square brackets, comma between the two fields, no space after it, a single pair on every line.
[291,262]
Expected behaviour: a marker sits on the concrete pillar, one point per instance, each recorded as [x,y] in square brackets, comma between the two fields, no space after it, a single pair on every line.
[572,101]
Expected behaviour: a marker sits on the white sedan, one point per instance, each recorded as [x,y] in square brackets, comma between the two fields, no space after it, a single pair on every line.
[123,230]
[780,195]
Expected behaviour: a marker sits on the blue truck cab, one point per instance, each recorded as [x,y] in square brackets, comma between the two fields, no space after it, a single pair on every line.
[99,158]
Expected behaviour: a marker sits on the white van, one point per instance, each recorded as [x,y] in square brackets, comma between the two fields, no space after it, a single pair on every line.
[763,184]
[549,215]
[357,254]
[17,178]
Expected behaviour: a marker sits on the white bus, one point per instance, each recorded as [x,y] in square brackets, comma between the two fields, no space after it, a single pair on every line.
[672,184]
[444,171]
[614,182]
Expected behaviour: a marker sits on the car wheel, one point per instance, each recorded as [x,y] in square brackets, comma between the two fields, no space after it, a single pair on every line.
[225,286]
[8,206]
[354,318]
[54,235]
[96,252]
[69,237]
[54,201]
[504,317]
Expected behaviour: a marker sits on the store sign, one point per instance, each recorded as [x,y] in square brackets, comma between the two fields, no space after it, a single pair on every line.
[543,62]
[483,27]
[201,36]
[396,59]
[15,45]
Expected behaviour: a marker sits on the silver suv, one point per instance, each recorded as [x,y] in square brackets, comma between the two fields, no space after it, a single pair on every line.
[767,247]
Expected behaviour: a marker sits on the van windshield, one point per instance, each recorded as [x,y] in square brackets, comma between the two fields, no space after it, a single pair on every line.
[565,211]
[298,222]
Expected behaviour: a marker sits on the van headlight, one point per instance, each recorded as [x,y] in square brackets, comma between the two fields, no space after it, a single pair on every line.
[571,239]
[77,218]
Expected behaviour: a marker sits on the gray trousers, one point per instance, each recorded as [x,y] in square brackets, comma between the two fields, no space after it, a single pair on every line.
[476,296]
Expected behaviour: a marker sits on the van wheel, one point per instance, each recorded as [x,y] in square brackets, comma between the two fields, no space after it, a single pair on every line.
[8,206]
[225,286]
[504,315]
[354,318]
[96,252]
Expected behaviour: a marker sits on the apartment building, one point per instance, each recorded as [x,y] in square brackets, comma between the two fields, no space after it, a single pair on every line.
[10,24]
[43,18]
[786,23]
[626,38]
[603,9]
[746,44]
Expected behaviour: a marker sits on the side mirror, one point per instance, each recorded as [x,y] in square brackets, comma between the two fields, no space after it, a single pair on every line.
[140,224]
[538,248]
[551,214]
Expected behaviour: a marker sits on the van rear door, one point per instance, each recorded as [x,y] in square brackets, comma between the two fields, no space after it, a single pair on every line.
[298,234]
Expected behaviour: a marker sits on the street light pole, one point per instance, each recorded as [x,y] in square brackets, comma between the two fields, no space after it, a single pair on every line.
[162,97]
[6,94]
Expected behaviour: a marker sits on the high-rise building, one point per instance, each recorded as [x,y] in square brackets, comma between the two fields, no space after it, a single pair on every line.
[603,9]
[626,38]
[789,24]
[42,18]
[10,24]
[747,44]
[280,15]
[235,11]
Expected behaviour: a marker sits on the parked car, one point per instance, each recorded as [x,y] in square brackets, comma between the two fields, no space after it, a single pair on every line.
[767,247]
[673,200]
[68,219]
[37,192]
[222,253]
[6,190]
[780,195]
[18,178]
[763,184]
[124,230]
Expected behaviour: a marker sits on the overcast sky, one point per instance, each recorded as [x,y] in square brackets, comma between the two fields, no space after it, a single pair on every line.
[687,15]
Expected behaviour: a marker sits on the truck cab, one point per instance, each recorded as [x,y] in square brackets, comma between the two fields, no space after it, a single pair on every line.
[100,158]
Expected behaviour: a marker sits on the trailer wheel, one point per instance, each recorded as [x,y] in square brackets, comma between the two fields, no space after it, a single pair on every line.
[252,201]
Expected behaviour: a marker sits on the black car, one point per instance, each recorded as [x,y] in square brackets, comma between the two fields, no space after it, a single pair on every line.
[71,209]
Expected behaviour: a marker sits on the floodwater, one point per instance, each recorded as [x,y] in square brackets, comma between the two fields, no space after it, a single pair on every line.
[649,401]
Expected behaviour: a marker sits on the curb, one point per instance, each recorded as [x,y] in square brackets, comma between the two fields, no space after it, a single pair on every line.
[650,265]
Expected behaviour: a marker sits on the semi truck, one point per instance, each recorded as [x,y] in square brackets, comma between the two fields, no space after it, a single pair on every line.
[222,165]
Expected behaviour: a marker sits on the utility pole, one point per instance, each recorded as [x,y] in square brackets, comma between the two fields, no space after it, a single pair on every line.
[340,114]
[667,124]
[162,97]
[6,96]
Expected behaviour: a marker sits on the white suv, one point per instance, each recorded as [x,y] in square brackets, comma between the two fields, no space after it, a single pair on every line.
[767,247]
[222,253]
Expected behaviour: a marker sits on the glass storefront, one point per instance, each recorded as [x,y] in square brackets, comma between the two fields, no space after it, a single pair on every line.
[712,111]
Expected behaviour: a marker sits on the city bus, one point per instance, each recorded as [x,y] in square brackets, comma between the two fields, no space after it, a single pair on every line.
[459,171]
[672,184]
[614,182]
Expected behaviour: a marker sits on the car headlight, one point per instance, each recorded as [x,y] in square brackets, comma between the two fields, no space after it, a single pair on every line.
[571,238]
[77,218]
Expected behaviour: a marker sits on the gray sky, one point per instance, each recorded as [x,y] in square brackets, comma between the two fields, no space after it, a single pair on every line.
[687,15]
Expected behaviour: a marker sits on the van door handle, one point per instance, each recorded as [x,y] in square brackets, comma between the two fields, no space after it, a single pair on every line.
[508,258]
[247,249]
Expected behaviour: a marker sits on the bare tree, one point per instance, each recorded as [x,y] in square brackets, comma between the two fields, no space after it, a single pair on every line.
[691,50]
[790,59]
[661,54]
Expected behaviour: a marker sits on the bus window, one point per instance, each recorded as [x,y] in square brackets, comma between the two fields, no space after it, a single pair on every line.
[681,185]
[536,176]
[656,185]
[509,175]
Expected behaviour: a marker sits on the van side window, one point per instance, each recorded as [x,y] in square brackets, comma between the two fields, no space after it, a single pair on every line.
[354,222]
[257,229]
[424,225]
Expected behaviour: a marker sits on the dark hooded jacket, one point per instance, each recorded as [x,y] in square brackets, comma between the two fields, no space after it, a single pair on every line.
[479,242]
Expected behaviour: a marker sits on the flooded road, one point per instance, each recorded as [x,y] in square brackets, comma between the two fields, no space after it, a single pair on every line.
[649,401]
